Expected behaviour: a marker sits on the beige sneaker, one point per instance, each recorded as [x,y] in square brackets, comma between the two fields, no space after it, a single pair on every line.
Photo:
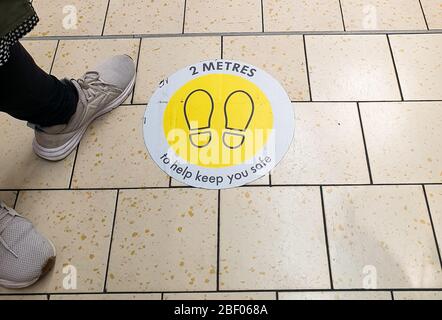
[25,255]
[99,92]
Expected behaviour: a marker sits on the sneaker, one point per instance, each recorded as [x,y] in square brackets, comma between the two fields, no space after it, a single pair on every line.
[25,255]
[99,92]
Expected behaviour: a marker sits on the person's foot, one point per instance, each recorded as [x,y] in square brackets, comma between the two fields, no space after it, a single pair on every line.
[25,255]
[99,91]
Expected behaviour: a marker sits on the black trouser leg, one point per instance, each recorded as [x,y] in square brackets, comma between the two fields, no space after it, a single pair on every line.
[28,93]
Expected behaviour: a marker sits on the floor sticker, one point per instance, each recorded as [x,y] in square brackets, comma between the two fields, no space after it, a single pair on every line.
[218,124]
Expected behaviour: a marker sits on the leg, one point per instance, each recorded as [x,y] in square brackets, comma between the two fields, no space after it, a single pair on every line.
[28,93]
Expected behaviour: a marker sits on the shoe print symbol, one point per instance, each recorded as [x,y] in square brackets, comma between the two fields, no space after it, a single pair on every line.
[198,111]
[238,111]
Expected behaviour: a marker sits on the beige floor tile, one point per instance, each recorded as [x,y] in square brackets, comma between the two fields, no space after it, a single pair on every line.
[21,168]
[404,141]
[302,15]
[328,147]
[164,240]
[417,295]
[351,68]
[79,223]
[75,57]
[156,296]
[145,17]
[383,15]
[69,17]
[433,13]
[281,56]
[381,236]
[8,198]
[106,160]
[43,52]
[161,57]
[336,295]
[264,232]
[434,194]
[25,297]
[418,61]
[223,16]
[221,296]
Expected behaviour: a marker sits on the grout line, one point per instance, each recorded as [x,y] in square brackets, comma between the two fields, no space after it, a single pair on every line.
[184,16]
[105,17]
[111,241]
[270,180]
[432,224]
[262,16]
[423,13]
[136,69]
[365,145]
[73,166]
[222,47]
[365,101]
[245,186]
[395,68]
[326,237]
[218,241]
[16,199]
[237,34]
[392,295]
[162,295]
[170,182]
[55,56]
[307,71]
[277,295]
[342,16]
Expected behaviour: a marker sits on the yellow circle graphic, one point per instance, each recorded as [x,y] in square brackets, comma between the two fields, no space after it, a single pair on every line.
[218,120]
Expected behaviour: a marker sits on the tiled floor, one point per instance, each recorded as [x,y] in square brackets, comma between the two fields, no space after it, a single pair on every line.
[355,205]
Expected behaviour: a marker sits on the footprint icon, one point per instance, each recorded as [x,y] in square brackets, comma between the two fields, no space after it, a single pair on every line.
[198,111]
[238,111]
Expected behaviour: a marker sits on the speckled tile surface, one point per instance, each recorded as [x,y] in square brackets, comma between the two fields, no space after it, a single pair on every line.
[433,13]
[69,17]
[256,256]
[302,15]
[368,114]
[223,15]
[164,240]
[336,295]
[104,148]
[21,168]
[79,223]
[221,296]
[404,141]
[24,297]
[144,17]
[351,68]
[281,56]
[383,15]
[434,194]
[8,198]
[417,295]
[418,61]
[42,52]
[327,148]
[161,57]
[381,237]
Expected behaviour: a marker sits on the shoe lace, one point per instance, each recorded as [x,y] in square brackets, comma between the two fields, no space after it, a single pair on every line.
[6,217]
[92,86]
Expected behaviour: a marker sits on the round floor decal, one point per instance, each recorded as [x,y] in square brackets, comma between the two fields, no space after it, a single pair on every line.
[218,124]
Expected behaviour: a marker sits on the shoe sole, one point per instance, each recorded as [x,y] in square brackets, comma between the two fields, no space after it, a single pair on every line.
[48,266]
[60,153]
